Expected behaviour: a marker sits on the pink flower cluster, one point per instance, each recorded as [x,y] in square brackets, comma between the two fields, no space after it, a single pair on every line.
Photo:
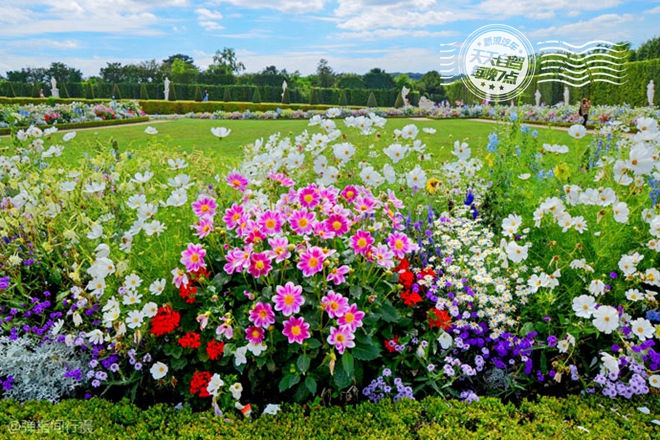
[349,318]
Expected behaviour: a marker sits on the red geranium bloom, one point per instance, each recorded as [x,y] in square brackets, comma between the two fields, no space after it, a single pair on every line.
[215,349]
[190,340]
[165,321]
[439,318]
[410,298]
[390,344]
[199,383]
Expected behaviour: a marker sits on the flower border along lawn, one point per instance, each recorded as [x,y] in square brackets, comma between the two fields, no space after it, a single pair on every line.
[573,417]
[88,124]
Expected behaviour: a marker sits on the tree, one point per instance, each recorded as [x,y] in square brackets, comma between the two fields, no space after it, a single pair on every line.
[185,58]
[378,79]
[63,73]
[113,73]
[404,80]
[28,75]
[349,81]
[648,50]
[325,76]
[183,72]
[431,84]
[226,63]
[149,71]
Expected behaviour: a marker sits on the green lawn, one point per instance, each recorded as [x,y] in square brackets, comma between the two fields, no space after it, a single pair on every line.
[194,136]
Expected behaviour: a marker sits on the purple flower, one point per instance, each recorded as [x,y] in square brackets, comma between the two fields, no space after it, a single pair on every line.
[552,340]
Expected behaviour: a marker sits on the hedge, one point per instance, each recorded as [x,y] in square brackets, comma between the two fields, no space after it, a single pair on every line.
[633,92]
[573,417]
[186,92]
[184,107]
[88,124]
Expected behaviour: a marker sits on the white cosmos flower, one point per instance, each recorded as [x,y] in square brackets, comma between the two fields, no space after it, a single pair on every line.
[654,380]
[68,186]
[136,200]
[584,306]
[395,152]
[157,287]
[315,120]
[344,151]
[95,232]
[634,295]
[429,130]
[239,355]
[132,281]
[132,298]
[621,212]
[180,181]
[102,250]
[416,177]
[177,164]
[69,136]
[641,159]
[94,187]
[150,309]
[652,276]
[410,131]
[134,319]
[329,177]
[389,173]
[524,176]
[461,150]
[150,130]
[257,349]
[220,132]
[147,211]
[333,112]
[142,178]
[596,287]
[154,227]
[642,328]
[577,131]
[516,253]
[178,197]
[158,370]
[95,337]
[511,224]
[271,409]
[606,319]
[294,161]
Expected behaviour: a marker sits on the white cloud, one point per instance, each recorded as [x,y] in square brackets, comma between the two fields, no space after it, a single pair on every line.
[288,6]
[655,10]
[379,34]
[542,9]
[604,27]
[43,44]
[208,14]
[211,25]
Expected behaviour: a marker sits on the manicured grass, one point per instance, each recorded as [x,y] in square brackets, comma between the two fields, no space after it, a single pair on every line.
[194,136]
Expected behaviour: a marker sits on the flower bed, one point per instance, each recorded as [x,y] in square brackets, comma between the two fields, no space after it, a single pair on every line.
[332,265]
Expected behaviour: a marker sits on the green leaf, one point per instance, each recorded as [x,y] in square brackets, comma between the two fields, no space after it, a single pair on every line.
[388,312]
[220,279]
[173,350]
[526,328]
[356,291]
[348,363]
[178,363]
[365,351]
[310,383]
[303,362]
[342,380]
[313,343]
[288,381]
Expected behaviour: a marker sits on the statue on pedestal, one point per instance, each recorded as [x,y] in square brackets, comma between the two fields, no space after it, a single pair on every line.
[650,93]
[54,91]
[566,96]
[537,96]
[166,91]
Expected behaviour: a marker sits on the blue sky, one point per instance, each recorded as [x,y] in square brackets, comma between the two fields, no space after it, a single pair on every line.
[353,35]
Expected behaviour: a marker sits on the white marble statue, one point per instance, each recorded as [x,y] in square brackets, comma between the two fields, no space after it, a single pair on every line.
[284,87]
[487,98]
[650,93]
[537,96]
[166,90]
[425,102]
[54,91]
[404,92]
[567,101]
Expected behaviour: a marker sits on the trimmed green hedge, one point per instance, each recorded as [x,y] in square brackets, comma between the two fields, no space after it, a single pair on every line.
[573,417]
[88,124]
[183,107]
[633,92]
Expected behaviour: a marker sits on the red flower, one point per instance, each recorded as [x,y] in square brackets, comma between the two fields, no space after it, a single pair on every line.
[165,321]
[406,279]
[190,340]
[390,344]
[215,349]
[188,292]
[403,265]
[199,383]
[439,318]
[410,298]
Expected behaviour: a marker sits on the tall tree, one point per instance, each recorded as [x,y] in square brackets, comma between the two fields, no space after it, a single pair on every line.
[378,79]
[183,73]
[113,73]
[63,73]
[226,63]
[325,76]
[28,75]
[185,58]
[648,50]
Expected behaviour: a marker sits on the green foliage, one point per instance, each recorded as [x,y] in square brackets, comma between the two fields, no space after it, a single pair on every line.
[256,97]
[371,101]
[286,98]
[115,92]
[378,79]
[314,97]
[399,101]
[343,101]
[143,92]
[432,418]
[226,96]
[172,96]
[198,94]
[89,93]
[91,124]
[648,50]
[35,90]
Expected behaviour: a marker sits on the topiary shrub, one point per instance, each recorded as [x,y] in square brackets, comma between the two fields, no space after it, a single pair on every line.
[286,98]
[343,101]
[198,94]
[371,101]
[226,97]
[89,92]
[143,92]
[256,96]
[116,93]
[314,97]
[399,101]
[172,96]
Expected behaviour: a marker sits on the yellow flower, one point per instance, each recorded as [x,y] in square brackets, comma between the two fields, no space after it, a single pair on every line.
[432,185]
[490,159]
[562,172]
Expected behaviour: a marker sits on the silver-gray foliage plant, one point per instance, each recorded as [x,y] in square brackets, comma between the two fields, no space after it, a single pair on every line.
[38,370]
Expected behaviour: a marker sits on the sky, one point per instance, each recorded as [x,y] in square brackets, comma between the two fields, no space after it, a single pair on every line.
[353,35]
